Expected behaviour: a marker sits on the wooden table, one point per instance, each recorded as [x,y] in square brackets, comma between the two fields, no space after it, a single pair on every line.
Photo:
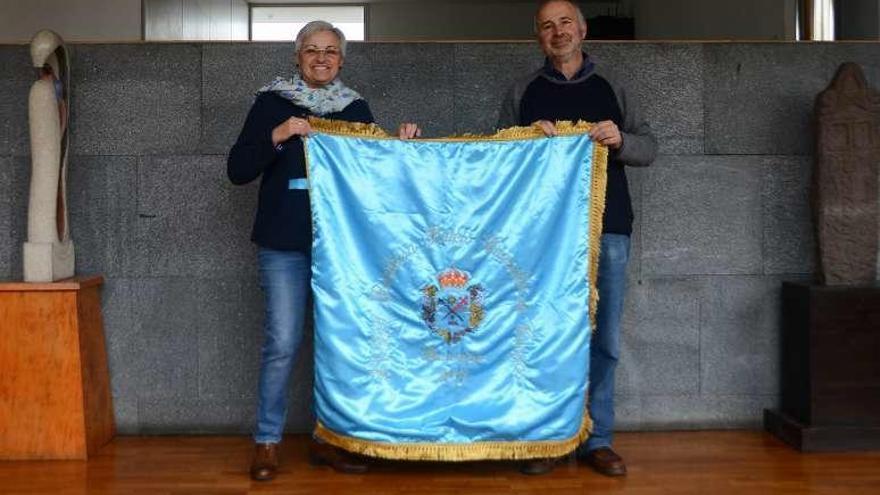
[55,400]
[830,368]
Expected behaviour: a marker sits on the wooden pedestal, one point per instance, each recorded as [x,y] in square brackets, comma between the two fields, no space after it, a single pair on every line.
[55,398]
[830,368]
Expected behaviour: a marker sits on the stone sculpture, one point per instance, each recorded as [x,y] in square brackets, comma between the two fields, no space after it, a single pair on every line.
[48,252]
[846,180]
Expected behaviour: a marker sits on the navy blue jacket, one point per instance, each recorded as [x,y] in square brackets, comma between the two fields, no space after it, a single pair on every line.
[283,218]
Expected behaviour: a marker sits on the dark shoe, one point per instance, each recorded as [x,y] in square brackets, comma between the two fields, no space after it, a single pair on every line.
[338,459]
[264,465]
[605,461]
[536,467]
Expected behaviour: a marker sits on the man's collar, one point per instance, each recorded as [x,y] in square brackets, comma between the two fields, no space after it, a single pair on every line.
[552,72]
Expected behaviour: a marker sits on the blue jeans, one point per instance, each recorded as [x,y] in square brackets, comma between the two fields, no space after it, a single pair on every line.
[605,344]
[285,279]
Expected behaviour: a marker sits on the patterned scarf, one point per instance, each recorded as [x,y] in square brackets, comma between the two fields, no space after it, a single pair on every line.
[330,98]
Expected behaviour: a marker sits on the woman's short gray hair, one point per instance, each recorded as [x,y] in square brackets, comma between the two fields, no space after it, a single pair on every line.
[316,27]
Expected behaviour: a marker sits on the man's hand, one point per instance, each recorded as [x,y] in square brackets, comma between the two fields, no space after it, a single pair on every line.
[547,127]
[293,126]
[409,130]
[607,133]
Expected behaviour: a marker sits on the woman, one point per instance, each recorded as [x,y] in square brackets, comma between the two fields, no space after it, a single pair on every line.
[270,145]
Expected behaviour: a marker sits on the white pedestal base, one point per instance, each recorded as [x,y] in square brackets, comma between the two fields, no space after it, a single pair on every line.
[48,262]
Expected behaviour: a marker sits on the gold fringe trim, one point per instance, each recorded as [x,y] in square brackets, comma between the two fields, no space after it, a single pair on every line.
[597,212]
[357,129]
[344,128]
[458,452]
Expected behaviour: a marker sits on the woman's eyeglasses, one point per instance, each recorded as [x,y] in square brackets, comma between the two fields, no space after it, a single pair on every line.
[313,51]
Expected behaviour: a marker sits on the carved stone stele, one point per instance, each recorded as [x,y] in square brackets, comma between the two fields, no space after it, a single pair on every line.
[846,179]
[48,252]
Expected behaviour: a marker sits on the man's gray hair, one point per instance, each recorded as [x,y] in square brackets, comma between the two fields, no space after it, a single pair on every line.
[581,19]
[316,27]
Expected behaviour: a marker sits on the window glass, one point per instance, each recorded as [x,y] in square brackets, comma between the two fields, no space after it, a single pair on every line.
[282,22]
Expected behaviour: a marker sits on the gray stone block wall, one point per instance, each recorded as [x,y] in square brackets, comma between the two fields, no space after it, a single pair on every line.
[138,99]
[722,216]
[6,242]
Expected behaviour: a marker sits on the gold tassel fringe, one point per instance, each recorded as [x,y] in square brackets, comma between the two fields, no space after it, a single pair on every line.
[457,452]
[357,129]
[597,212]
[344,128]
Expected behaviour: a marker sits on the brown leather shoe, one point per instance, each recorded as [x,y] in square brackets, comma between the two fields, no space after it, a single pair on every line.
[605,461]
[340,460]
[264,465]
[536,467]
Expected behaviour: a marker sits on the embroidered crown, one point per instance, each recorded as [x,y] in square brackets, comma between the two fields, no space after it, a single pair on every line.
[453,278]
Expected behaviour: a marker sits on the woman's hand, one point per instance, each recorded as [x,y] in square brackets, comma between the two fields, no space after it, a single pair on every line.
[293,126]
[409,130]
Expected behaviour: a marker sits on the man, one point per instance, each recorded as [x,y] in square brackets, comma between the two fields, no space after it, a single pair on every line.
[572,86]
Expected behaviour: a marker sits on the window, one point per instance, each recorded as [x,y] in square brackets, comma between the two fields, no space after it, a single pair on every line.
[823,20]
[282,22]
[815,20]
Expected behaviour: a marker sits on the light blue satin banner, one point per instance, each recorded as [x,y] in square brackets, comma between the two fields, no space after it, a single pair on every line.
[451,289]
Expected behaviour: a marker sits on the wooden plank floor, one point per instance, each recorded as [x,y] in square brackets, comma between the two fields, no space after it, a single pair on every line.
[741,462]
